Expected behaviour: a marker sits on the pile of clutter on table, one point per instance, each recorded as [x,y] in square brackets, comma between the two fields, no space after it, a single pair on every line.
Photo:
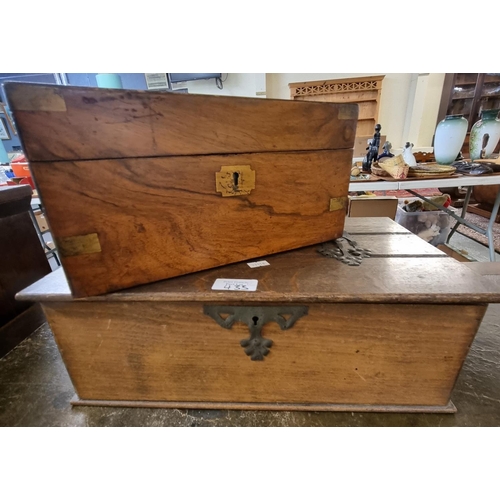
[16,171]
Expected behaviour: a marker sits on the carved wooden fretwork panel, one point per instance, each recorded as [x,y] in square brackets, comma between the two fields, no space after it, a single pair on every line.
[334,88]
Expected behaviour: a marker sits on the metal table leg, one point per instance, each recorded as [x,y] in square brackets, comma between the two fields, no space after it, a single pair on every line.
[37,229]
[460,220]
[489,231]
[464,212]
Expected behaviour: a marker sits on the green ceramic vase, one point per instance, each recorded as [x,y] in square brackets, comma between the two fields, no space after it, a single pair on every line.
[488,124]
[449,138]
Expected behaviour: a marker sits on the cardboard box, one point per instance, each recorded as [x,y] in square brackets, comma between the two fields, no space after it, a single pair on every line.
[372,206]
[41,221]
[361,143]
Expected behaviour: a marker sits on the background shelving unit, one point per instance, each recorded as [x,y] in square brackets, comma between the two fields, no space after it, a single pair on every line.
[469,94]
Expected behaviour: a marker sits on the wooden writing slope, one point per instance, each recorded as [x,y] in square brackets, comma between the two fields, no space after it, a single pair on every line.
[140,186]
[389,335]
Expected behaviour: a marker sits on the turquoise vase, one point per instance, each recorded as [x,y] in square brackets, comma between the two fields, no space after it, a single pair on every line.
[488,124]
[449,138]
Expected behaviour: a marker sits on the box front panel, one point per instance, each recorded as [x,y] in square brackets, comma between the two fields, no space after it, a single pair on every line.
[374,354]
[120,223]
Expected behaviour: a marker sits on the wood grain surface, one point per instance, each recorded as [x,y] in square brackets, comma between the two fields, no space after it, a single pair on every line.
[396,245]
[489,272]
[484,268]
[157,218]
[304,275]
[75,123]
[339,353]
[55,286]
[373,225]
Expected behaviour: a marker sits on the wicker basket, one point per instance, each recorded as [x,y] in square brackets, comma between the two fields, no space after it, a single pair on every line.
[395,167]
[433,170]
[379,172]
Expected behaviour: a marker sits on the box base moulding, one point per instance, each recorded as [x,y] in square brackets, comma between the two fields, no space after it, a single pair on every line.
[449,408]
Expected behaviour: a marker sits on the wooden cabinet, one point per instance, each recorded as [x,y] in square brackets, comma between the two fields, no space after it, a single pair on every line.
[469,94]
[22,263]
[364,91]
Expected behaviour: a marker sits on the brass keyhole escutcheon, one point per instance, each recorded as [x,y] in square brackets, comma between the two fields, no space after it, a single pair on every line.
[235,180]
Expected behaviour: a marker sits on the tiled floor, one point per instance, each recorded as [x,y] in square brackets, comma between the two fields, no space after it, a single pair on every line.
[35,390]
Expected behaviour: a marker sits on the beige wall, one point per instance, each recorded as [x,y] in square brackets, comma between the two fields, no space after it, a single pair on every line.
[409,102]
[408,106]
[423,108]
[235,84]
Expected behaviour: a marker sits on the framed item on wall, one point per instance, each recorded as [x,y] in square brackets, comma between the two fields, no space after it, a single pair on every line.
[4,130]
[9,119]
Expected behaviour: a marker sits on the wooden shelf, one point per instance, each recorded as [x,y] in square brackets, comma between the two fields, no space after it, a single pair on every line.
[473,104]
[364,91]
[466,78]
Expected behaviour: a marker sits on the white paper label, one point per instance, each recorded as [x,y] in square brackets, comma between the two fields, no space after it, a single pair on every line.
[235,285]
[260,263]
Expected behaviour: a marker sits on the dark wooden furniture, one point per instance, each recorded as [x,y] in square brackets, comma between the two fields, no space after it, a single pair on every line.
[484,197]
[22,262]
[141,186]
[389,335]
[469,94]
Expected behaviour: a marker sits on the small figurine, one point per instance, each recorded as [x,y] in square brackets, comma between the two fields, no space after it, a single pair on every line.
[372,149]
[408,155]
[386,153]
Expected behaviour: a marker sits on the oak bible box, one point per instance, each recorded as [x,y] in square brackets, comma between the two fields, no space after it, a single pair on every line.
[316,334]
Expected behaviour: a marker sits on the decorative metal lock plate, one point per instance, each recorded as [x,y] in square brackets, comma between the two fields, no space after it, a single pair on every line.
[235,180]
[256,346]
[345,250]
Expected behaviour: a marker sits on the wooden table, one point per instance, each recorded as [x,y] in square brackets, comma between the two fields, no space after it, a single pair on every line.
[388,335]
